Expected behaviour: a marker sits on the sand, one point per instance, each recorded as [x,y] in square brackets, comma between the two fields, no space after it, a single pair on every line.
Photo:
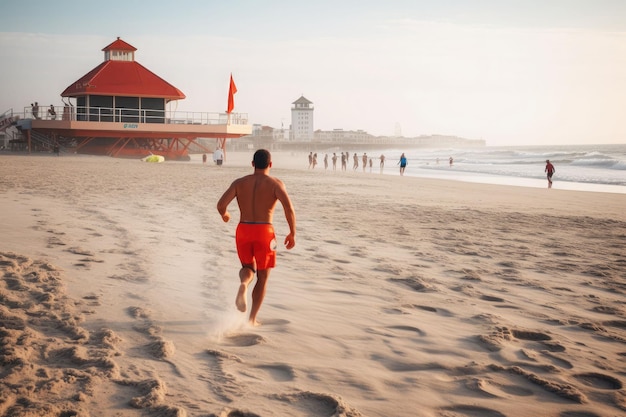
[403,296]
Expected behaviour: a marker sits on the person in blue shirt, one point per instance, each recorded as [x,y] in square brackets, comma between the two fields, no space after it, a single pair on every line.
[402,163]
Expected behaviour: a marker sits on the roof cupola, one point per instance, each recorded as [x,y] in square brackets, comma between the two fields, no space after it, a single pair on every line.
[119,51]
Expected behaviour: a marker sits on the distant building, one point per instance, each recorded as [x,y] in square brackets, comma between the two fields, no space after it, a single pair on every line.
[268,132]
[302,135]
[343,136]
[302,120]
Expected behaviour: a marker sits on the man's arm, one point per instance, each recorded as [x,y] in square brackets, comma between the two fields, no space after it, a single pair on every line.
[290,214]
[224,201]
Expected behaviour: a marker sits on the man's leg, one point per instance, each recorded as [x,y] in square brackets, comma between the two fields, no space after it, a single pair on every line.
[258,294]
[246,274]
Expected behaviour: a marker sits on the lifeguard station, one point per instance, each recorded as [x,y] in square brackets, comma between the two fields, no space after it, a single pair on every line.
[122,109]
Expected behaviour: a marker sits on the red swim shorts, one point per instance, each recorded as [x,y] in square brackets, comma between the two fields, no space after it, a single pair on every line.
[256,245]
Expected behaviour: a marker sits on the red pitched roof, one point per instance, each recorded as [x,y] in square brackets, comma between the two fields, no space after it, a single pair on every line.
[122,78]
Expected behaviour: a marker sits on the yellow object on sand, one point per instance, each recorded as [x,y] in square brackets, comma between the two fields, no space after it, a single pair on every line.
[153,158]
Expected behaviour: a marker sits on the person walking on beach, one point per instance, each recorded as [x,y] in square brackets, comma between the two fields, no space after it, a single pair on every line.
[256,196]
[325,162]
[310,160]
[549,171]
[218,156]
[344,161]
[335,161]
[364,161]
[382,163]
[356,162]
[402,163]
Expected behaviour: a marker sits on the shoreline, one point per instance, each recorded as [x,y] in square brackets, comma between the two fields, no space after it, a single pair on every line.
[297,161]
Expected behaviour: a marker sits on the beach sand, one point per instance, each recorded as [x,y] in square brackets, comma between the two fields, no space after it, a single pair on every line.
[403,296]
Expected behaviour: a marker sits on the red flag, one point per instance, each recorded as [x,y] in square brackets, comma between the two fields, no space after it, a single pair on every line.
[231,92]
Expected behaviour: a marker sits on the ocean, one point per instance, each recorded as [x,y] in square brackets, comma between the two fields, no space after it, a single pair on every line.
[600,168]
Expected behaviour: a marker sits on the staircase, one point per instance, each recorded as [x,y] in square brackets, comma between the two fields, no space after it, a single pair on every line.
[41,141]
[7,119]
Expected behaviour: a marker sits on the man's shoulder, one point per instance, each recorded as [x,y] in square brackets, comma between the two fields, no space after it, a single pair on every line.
[242,180]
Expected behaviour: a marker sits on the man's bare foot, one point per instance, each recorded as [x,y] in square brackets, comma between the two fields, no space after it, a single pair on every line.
[254,323]
[240,301]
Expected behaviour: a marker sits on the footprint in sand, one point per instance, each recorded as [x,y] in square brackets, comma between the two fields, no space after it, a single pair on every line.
[579,414]
[410,329]
[492,298]
[440,311]
[473,411]
[503,335]
[607,310]
[495,390]
[138,312]
[244,339]
[530,335]
[599,381]
[426,308]
[279,372]
[323,404]
[615,323]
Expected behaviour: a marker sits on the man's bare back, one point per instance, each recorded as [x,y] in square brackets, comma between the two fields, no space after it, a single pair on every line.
[257,195]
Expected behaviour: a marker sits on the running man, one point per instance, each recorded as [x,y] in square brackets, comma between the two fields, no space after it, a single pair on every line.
[256,196]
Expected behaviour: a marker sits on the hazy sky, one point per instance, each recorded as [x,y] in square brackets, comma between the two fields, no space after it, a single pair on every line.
[511,72]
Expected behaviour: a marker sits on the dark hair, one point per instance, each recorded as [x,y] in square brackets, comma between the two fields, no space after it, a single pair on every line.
[262,159]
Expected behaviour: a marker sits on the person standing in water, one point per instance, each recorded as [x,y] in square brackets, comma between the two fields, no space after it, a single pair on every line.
[256,196]
[549,171]
[402,163]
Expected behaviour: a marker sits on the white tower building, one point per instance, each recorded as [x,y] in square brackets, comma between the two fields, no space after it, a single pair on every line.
[302,120]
